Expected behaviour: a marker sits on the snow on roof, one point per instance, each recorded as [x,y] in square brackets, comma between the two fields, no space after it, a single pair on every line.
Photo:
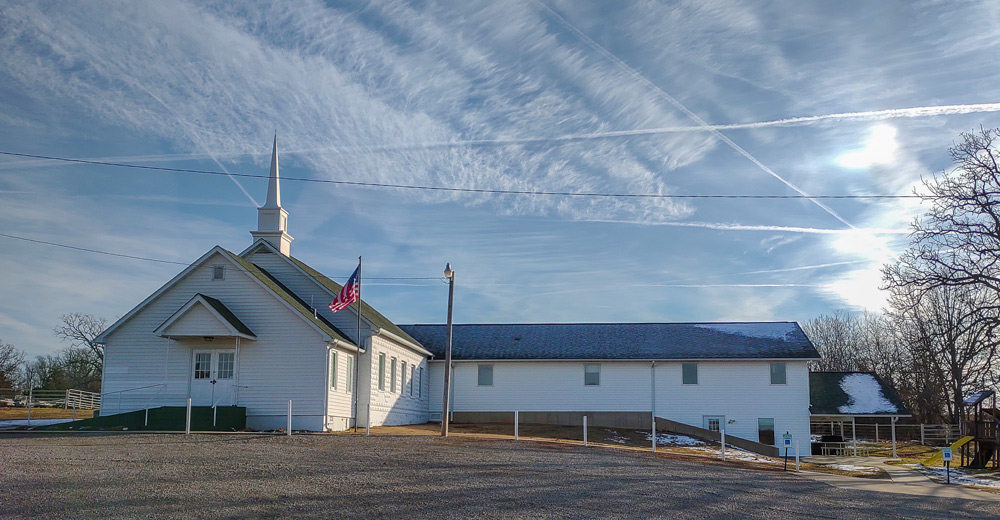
[865,395]
[781,330]
[783,340]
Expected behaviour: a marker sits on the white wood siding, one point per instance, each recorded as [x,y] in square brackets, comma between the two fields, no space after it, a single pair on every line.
[311,292]
[197,321]
[739,390]
[286,362]
[340,400]
[393,408]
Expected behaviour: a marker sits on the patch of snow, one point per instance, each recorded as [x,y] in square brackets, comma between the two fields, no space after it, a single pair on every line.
[854,468]
[959,476]
[616,437]
[666,439]
[33,422]
[780,331]
[734,453]
[865,395]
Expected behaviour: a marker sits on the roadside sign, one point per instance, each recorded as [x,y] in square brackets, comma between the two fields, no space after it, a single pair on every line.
[946,455]
[786,440]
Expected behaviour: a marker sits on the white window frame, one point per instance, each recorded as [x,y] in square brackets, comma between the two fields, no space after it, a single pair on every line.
[392,376]
[585,373]
[695,365]
[413,372]
[219,272]
[350,375]
[381,372]
[420,382]
[333,369]
[402,377]
[784,370]
[479,374]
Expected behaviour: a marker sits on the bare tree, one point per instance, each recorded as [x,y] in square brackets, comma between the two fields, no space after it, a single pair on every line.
[11,366]
[957,242]
[950,330]
[81,331]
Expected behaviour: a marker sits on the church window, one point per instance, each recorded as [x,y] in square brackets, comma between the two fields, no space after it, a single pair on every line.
[218,272]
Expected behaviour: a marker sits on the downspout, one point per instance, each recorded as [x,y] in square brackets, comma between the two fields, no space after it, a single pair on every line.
[236,398]
[326,388]
[652,400]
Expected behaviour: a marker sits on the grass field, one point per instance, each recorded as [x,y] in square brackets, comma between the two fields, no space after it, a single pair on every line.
[8,413]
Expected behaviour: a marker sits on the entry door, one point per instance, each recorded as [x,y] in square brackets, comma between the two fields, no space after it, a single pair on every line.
[212,376]
[713,422]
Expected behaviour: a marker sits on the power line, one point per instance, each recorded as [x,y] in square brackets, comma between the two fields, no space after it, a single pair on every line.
[174,262]
[453,189]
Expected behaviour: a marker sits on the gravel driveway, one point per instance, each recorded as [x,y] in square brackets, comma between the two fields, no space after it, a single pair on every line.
[326,476]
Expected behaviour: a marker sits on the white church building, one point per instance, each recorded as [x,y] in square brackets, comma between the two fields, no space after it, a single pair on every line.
[252,329]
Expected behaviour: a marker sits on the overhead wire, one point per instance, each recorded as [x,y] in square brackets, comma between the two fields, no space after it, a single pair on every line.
[458,189]
[174,262]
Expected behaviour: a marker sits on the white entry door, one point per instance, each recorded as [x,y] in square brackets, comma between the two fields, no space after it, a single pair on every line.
[713,422]
[212,375]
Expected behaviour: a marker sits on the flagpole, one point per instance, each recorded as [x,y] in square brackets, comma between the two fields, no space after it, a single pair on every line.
[357,364]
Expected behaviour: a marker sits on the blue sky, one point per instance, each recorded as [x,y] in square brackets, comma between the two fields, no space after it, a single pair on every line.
[483,95]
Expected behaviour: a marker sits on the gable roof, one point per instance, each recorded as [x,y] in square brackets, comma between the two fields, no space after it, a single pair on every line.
[620,341]
[262,277]
[216,308]
[289,297]
[368,313]
[852,393]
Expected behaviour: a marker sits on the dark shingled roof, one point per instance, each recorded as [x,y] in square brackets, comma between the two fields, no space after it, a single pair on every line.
[369,312]
[227,315]
[827,396]
[289,297]
[779,340]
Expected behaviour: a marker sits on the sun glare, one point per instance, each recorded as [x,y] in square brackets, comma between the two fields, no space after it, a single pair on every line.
[880,148]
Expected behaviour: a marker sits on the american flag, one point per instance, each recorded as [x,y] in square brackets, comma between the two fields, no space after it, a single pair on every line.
[348,293]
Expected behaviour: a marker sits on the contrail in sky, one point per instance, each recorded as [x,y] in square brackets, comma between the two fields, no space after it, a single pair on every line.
[680,106]
[744,227]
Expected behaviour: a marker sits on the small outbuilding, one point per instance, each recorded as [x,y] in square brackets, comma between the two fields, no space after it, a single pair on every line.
[840,398]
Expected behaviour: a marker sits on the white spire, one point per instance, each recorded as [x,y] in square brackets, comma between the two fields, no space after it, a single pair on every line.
[273,189]
[272,219]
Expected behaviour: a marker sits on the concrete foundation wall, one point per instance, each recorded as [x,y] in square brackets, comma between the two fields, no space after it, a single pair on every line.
[626,420]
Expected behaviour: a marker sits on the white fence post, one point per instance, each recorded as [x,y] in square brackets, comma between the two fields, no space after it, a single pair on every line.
[796,455]
[29,405]
[368,420]
[187,421]
[876,432]
[584,430]
[515,425]
[894,437]
[722,434]
[922,442]
[289,429]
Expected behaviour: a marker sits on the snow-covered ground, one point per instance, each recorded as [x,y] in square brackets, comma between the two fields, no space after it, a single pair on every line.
[734,453]
[958,475]
[855,468]
[616,437]
[666,439]
[33,422]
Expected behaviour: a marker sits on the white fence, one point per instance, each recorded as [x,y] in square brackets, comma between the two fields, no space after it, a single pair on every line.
[928,434]
[44,398]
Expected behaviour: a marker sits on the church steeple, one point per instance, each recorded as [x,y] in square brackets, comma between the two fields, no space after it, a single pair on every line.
[272,219]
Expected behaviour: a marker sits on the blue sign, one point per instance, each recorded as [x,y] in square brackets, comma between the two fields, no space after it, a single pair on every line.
[786,439]
[946,455]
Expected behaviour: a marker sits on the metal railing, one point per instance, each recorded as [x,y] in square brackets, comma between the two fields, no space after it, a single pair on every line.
[927,434]
[120,392]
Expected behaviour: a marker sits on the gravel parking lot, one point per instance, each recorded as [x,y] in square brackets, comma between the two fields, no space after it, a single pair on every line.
[324,476]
